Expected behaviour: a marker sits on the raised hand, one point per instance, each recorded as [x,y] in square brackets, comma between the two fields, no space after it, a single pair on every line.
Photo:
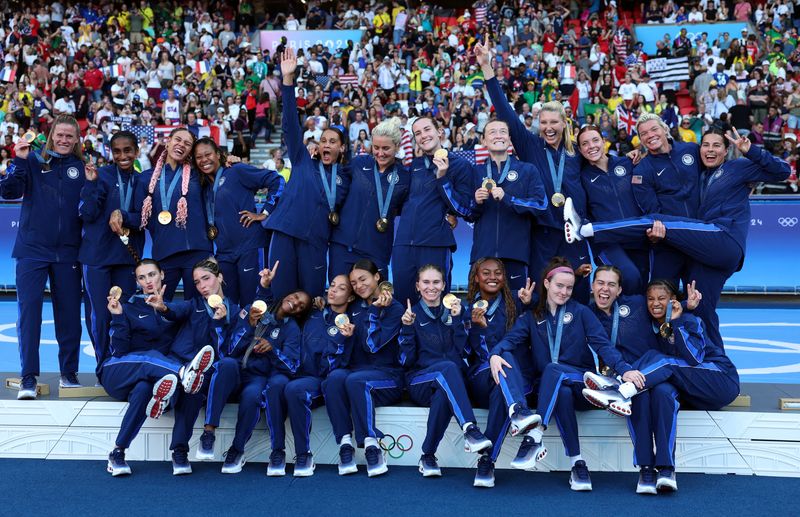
[384,299]
[742,143]
[267,274]
[90,171]
[22,148]
[483,53]
[693,296]
[288,66]
[455,311]
[114,307]
[525,294]
[408,316]
[441,165]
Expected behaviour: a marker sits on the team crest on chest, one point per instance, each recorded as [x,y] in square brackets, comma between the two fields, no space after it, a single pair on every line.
[619,170]
[393,178]
[332,331]
[338,180]
[568,318]
[687,159]
[275,333]
[718,174]
[624,311]
[73,173]
[512,176]
[222,180]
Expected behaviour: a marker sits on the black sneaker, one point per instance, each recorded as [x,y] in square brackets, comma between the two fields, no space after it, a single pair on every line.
[117,465]
[484,477]
[376,463]
[647,481]
[474,440]
[579,479]
[205,450]
[530,452]
[27,388]
[180,461]
[234,461]
[304,465]
[428,466]
[69,380]
[347,463]
[277,463]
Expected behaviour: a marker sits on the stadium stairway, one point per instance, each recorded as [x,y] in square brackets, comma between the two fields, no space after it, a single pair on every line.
[260,153]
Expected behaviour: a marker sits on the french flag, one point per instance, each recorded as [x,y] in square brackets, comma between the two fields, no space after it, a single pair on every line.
[115,71]
[8,75]
[201,67]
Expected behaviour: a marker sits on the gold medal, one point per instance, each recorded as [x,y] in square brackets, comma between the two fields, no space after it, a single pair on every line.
[164,217]
[386,286]
[665,329]
[481,304]
[440,153]
[125,236]
[214,301]
[449,300]
[259,307]
[558,199]
[382,224]
[341,320]
[29,136]
[489,184]
[212,232]
[333,217]
[115,292]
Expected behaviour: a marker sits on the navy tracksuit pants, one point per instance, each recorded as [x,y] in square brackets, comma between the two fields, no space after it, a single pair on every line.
[560,395]
[302,395]
[303,265]
[97,281]
[241,276]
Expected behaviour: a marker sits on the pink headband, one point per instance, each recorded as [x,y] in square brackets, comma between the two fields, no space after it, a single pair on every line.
[560,269]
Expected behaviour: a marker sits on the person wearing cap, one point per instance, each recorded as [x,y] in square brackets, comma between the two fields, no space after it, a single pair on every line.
[685,131]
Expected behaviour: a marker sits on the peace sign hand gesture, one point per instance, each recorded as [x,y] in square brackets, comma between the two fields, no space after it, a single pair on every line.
[693,296]
[742,143]
[525,294]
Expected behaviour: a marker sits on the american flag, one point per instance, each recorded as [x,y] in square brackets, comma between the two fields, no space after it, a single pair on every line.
[477,156]
[626,120]
[407,147]
[351,79]
[150,132]
[322,80]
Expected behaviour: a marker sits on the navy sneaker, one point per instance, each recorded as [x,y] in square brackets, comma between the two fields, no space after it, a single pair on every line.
[484,477]
[205,450]
[69,380]
[528,454]
[304,465]
[667,482]
[347,462]
[117,465]
[180,461]
[647,481]
[474,440]
[27,388]
[579,479]
[428,466]
[376,463]
[523,420]
[234,461]
[277,463]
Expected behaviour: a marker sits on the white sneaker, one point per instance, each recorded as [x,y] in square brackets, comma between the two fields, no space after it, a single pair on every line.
[163,390]
[572,224]
[611,400]
[595,381]
[27,388]
[192,374]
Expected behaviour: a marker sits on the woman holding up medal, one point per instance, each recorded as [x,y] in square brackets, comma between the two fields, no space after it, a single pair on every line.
[229,194]
[108,259]
[310,203]
[508,193]
[685,357]
[552,152]
[372,376]
[176,220]
[47,246]
[432,343]
[566,340]
[379,187]
[441,185]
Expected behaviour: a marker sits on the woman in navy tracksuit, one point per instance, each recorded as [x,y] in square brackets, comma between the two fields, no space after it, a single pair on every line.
[433,342]
[566,340]
[685,357]
[553,155]
[140,369]
[503,215]
[440,188]
[609,197]
[202,325]
[310,203]
[492,313]
[379,187]
[229,194]
[168,201]
[715,241]
[108,258]
[47,247]
[262,350]
[370,374]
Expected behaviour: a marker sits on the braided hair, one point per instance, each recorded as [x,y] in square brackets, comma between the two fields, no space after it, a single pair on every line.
[183,209]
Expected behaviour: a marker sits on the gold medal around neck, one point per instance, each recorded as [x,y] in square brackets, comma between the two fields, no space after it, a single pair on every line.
[115,292]
[333,217]
[382,224]
[386,286]
[341,320]
[665,329]
[259,307]
[214,301]
[164,217]
[489,184]
[449,300]
[440,153]
[558,200]
[481,304]
[213,232]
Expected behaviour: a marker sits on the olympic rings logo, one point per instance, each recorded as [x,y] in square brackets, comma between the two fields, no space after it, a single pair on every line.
[397,444]
[788,222]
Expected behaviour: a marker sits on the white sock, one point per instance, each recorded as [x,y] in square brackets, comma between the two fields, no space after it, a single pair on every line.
[587,230]
[627,389]
[370,441]
[536,433]
[575,459]
[466,425]
[511,409]
[346,440]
